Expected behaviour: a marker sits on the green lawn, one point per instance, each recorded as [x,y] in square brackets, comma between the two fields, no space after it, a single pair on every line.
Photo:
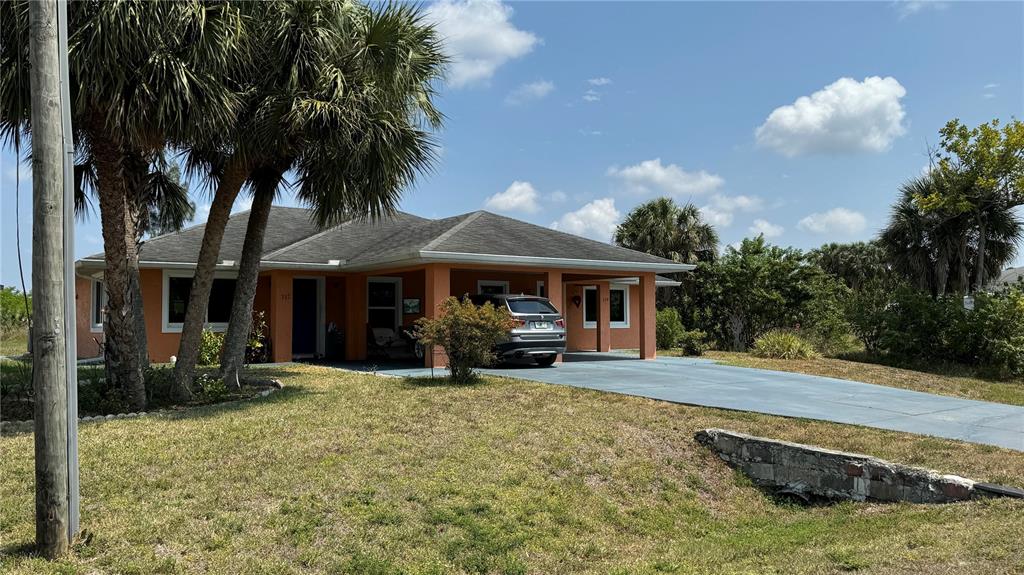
[944,380]
[350,473]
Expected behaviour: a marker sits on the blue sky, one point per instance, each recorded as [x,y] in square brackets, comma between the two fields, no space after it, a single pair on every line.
[798,120]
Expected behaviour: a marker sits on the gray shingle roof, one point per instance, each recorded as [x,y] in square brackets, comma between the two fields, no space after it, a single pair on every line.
[285,226]
[293,239]
[487,233]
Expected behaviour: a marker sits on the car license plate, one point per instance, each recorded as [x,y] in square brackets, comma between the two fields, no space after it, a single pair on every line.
[542,325]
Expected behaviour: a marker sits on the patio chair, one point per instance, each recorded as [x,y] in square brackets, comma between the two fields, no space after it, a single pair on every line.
[381,341]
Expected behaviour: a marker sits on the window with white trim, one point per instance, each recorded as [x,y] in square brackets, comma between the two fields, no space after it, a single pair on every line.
[176,290]
[618,307]
[491,287]
[97,305]
[384,302]
[541,291]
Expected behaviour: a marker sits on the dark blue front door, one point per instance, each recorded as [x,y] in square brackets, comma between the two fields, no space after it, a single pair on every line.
[304,299]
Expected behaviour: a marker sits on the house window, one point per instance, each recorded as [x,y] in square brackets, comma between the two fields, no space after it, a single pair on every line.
[97,305]
[178,288]
[618,307]
[491,287]
[384,302]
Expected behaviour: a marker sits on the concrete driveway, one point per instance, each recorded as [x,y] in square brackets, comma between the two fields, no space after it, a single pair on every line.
[696,381]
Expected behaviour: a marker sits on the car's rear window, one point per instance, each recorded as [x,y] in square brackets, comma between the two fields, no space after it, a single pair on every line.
[530,306]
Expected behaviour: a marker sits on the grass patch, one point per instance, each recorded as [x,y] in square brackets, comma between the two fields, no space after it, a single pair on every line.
[954,381]
[13,343]
[351,473]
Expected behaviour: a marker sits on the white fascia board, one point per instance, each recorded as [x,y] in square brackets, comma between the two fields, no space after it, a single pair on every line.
[225,265]
[553,262]
[328,265]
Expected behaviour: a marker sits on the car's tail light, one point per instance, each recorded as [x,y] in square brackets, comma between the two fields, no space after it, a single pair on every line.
[560,322]
[518,322]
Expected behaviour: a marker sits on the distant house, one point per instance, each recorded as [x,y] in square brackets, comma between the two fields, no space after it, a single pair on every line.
[388,274]
[1010,276]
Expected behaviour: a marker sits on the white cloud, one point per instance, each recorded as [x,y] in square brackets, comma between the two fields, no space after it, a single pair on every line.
[596,220]
[518,197]
[837,220]
[765,228]
[558,196]
[907,8]
[602,81]
[479,37]
[529,92]
[737,203]
[991,86]
[846,116]
[651,175]
[590,132]
[721,208]
[716,217]
[591,96]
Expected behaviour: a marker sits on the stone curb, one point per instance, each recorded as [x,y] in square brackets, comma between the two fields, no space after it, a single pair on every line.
[28,425]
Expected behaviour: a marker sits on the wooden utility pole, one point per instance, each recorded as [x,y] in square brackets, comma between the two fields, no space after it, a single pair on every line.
[49,363]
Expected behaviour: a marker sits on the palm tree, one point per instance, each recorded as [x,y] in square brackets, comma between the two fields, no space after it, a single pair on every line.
[142,73]
[855,263]
[355,125]
[660,227]
[936,250]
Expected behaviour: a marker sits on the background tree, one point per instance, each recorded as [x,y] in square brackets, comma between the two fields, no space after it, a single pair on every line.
[854,263]
[355,138]
[752,289]
[935,250]
[985,170]
[662,228]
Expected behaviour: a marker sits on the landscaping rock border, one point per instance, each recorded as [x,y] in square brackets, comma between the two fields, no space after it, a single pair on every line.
[812,472]
[28,425]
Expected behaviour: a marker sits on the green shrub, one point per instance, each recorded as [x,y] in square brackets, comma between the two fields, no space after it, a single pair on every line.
[669,328]
[865,310]
[210,347]
[693,342]
[997,328]
[468,333]
[160,386]
[780,344]
[212,388]
[257,346]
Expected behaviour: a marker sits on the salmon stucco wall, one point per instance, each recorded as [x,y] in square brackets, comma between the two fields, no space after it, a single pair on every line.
[465,281]
[88,340]
[583,339]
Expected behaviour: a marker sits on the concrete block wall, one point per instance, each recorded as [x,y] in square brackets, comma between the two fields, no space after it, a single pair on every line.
[828,474]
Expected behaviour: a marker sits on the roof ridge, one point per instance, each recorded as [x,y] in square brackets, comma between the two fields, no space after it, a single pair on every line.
[452,230]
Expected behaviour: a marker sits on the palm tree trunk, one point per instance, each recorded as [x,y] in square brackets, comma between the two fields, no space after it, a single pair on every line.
[202,283]
[979,270]
[233,354]
[121,353]
[139,318]
[941,274]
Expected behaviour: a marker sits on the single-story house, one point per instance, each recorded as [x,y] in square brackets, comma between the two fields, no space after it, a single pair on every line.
[388,273]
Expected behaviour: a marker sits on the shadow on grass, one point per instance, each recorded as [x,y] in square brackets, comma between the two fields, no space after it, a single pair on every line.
[934,367]
[21,550]
[215,409]
[441,381]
